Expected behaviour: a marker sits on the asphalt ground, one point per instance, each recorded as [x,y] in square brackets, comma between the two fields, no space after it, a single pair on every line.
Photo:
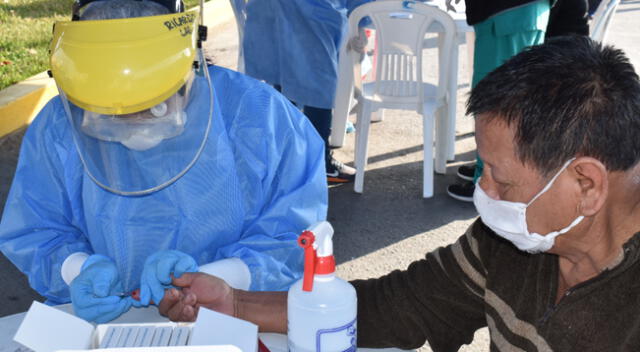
[390,224]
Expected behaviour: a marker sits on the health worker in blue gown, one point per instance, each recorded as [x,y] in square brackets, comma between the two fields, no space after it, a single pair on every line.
[151,164]
[293,45]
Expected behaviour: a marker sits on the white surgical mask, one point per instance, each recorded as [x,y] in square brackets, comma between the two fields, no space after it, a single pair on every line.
[509,219]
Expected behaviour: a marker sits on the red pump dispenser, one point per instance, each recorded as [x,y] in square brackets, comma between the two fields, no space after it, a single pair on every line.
[318,255]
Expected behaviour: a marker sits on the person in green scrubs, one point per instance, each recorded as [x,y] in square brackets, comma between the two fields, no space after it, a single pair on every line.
[502,28]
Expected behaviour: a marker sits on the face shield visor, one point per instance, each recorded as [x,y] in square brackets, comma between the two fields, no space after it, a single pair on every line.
[138,97]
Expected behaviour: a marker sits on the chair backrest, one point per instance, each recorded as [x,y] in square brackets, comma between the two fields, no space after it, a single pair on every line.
[400,30]
[602,19]
[239,10]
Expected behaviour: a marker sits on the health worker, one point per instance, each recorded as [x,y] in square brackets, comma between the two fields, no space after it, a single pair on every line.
[150,164]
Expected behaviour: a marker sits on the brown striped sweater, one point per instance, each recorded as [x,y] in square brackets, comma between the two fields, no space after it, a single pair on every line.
[483,280]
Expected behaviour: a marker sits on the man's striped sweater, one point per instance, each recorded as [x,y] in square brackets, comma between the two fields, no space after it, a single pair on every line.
[483,280]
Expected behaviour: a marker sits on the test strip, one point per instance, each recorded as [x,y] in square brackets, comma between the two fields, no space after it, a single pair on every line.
[131,339]
[179,336]
[166,335]
[108,336]
[161,336]
[113,342]
[156,337]
[184,337]
[124,335]
[175,335]
[144,337]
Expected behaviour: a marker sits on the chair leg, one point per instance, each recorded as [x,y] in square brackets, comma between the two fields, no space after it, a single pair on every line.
[449,117]
[362,139]
[442,138]
[427,161]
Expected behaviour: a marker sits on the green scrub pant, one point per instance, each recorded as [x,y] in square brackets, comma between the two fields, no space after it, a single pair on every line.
[502,36]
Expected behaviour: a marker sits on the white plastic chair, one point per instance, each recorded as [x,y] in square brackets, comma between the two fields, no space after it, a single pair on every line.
[601,20]
[238,7]
[344,103]
[400,31]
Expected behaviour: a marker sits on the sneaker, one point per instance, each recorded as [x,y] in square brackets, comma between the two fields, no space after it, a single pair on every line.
[462,192]
[337,172]
[467,172]
[350,127]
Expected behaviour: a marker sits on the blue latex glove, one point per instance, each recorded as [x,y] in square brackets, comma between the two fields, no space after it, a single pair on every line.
[95,291]
[156,275]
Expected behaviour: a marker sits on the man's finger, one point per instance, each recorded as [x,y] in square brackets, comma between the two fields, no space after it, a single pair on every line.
[171,297]
[175,311]
[184,280]
[189,313]
[190,299]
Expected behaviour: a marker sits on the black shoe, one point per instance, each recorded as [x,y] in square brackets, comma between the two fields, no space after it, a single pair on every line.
[462,192]
[467,172]
[338,172]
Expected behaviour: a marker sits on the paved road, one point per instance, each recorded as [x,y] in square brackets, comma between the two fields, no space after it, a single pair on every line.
[389,225]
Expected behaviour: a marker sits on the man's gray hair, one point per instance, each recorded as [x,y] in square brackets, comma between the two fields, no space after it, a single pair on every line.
[112,9]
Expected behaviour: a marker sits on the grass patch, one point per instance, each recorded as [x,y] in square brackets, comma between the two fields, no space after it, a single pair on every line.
[25,33]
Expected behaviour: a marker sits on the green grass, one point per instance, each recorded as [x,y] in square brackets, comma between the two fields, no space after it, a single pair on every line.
[25,32]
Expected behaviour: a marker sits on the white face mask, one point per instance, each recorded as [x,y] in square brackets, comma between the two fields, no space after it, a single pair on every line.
[509,219]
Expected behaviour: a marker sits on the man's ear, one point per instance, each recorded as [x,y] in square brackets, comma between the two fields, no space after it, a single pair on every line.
[593,181]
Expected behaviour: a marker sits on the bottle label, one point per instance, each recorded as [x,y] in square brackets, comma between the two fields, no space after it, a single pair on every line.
[343,336]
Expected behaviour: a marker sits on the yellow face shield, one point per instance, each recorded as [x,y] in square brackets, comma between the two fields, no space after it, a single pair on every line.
[122,66]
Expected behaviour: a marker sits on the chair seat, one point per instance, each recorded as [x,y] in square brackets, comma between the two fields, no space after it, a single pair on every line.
[387,102]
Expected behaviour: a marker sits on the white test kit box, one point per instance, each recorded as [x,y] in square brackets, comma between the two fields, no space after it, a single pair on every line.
[47,329]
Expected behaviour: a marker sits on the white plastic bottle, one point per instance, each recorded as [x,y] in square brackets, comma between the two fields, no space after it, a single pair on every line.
[322,308]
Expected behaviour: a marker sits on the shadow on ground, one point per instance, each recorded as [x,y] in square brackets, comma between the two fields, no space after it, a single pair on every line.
[391,208]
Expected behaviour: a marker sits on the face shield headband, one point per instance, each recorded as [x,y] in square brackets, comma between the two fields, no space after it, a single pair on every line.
[174,6]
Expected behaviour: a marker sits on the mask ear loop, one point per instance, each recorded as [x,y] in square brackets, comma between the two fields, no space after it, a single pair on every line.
[550,183]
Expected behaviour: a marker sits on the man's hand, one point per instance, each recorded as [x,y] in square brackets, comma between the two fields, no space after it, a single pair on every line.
[268,310]
[198,290]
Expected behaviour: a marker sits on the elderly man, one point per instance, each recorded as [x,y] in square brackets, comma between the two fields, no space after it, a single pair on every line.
[553,263]
[150,164]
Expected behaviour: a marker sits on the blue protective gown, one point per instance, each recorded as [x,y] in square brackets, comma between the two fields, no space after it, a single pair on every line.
[295,44]
[258,183]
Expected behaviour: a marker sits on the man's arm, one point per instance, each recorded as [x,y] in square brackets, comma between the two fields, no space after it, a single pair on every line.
[439,299]
[268,310]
